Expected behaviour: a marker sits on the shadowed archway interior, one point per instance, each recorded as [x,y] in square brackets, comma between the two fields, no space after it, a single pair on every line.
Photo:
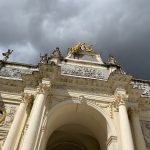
[77,127]
[72,137]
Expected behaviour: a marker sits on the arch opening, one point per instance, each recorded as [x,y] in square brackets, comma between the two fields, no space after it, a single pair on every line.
[76,126]
[72,137]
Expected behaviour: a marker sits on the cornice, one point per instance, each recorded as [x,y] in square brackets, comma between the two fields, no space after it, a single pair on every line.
[91,85]
[19,64]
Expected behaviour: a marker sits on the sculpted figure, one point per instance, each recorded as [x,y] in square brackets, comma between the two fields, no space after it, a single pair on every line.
[56,53]
[81,47]
[76,49]
[111,60]
[6,54]
[44,59]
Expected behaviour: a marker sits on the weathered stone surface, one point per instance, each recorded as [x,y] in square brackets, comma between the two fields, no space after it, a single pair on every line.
[146,131]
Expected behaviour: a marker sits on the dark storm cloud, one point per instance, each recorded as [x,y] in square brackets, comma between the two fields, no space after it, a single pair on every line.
[119,27]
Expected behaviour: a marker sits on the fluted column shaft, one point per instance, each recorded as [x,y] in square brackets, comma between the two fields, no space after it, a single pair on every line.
[34,122]
[138,135]
[15,130]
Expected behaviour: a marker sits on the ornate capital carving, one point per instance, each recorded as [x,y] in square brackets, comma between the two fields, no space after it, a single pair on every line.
[27,98]
[120,98]
[82,99]
[43,88]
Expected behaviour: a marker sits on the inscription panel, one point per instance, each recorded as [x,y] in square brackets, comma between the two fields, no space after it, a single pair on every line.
[82,71]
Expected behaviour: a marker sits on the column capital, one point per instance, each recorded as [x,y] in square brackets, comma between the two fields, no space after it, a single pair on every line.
[120,97]
[27,98]
[43,88]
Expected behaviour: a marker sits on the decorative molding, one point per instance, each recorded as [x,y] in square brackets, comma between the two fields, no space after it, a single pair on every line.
[120,98]
[27,98]
[103,106]
[82,100]
[110,140]
[10,112]
[43,88]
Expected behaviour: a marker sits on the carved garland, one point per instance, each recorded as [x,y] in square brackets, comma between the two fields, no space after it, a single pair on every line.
[83,100]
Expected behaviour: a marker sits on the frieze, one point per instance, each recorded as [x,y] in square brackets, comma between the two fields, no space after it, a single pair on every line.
[82,100]
[142,86]
[14,72]
[82,71]
[9,115]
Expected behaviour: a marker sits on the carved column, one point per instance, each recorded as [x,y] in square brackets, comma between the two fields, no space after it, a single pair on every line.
[126,136]
[138,135]
[14,134]
[35,118]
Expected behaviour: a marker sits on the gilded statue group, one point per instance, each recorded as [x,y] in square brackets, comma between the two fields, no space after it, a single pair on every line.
[81,47]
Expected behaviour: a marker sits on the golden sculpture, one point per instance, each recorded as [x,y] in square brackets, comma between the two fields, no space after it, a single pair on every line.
[81,47]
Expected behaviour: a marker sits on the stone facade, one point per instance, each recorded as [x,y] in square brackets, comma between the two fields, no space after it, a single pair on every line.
[73,102]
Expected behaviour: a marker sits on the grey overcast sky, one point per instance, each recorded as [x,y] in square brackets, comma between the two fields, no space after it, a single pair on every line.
[117,27]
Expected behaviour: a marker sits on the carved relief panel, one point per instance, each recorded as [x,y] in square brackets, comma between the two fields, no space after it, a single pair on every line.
[82,71]
[7,113]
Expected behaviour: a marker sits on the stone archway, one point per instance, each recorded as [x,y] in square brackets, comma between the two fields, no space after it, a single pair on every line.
[79,126]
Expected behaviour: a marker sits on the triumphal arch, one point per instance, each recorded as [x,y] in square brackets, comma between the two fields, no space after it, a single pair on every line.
[77,102]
